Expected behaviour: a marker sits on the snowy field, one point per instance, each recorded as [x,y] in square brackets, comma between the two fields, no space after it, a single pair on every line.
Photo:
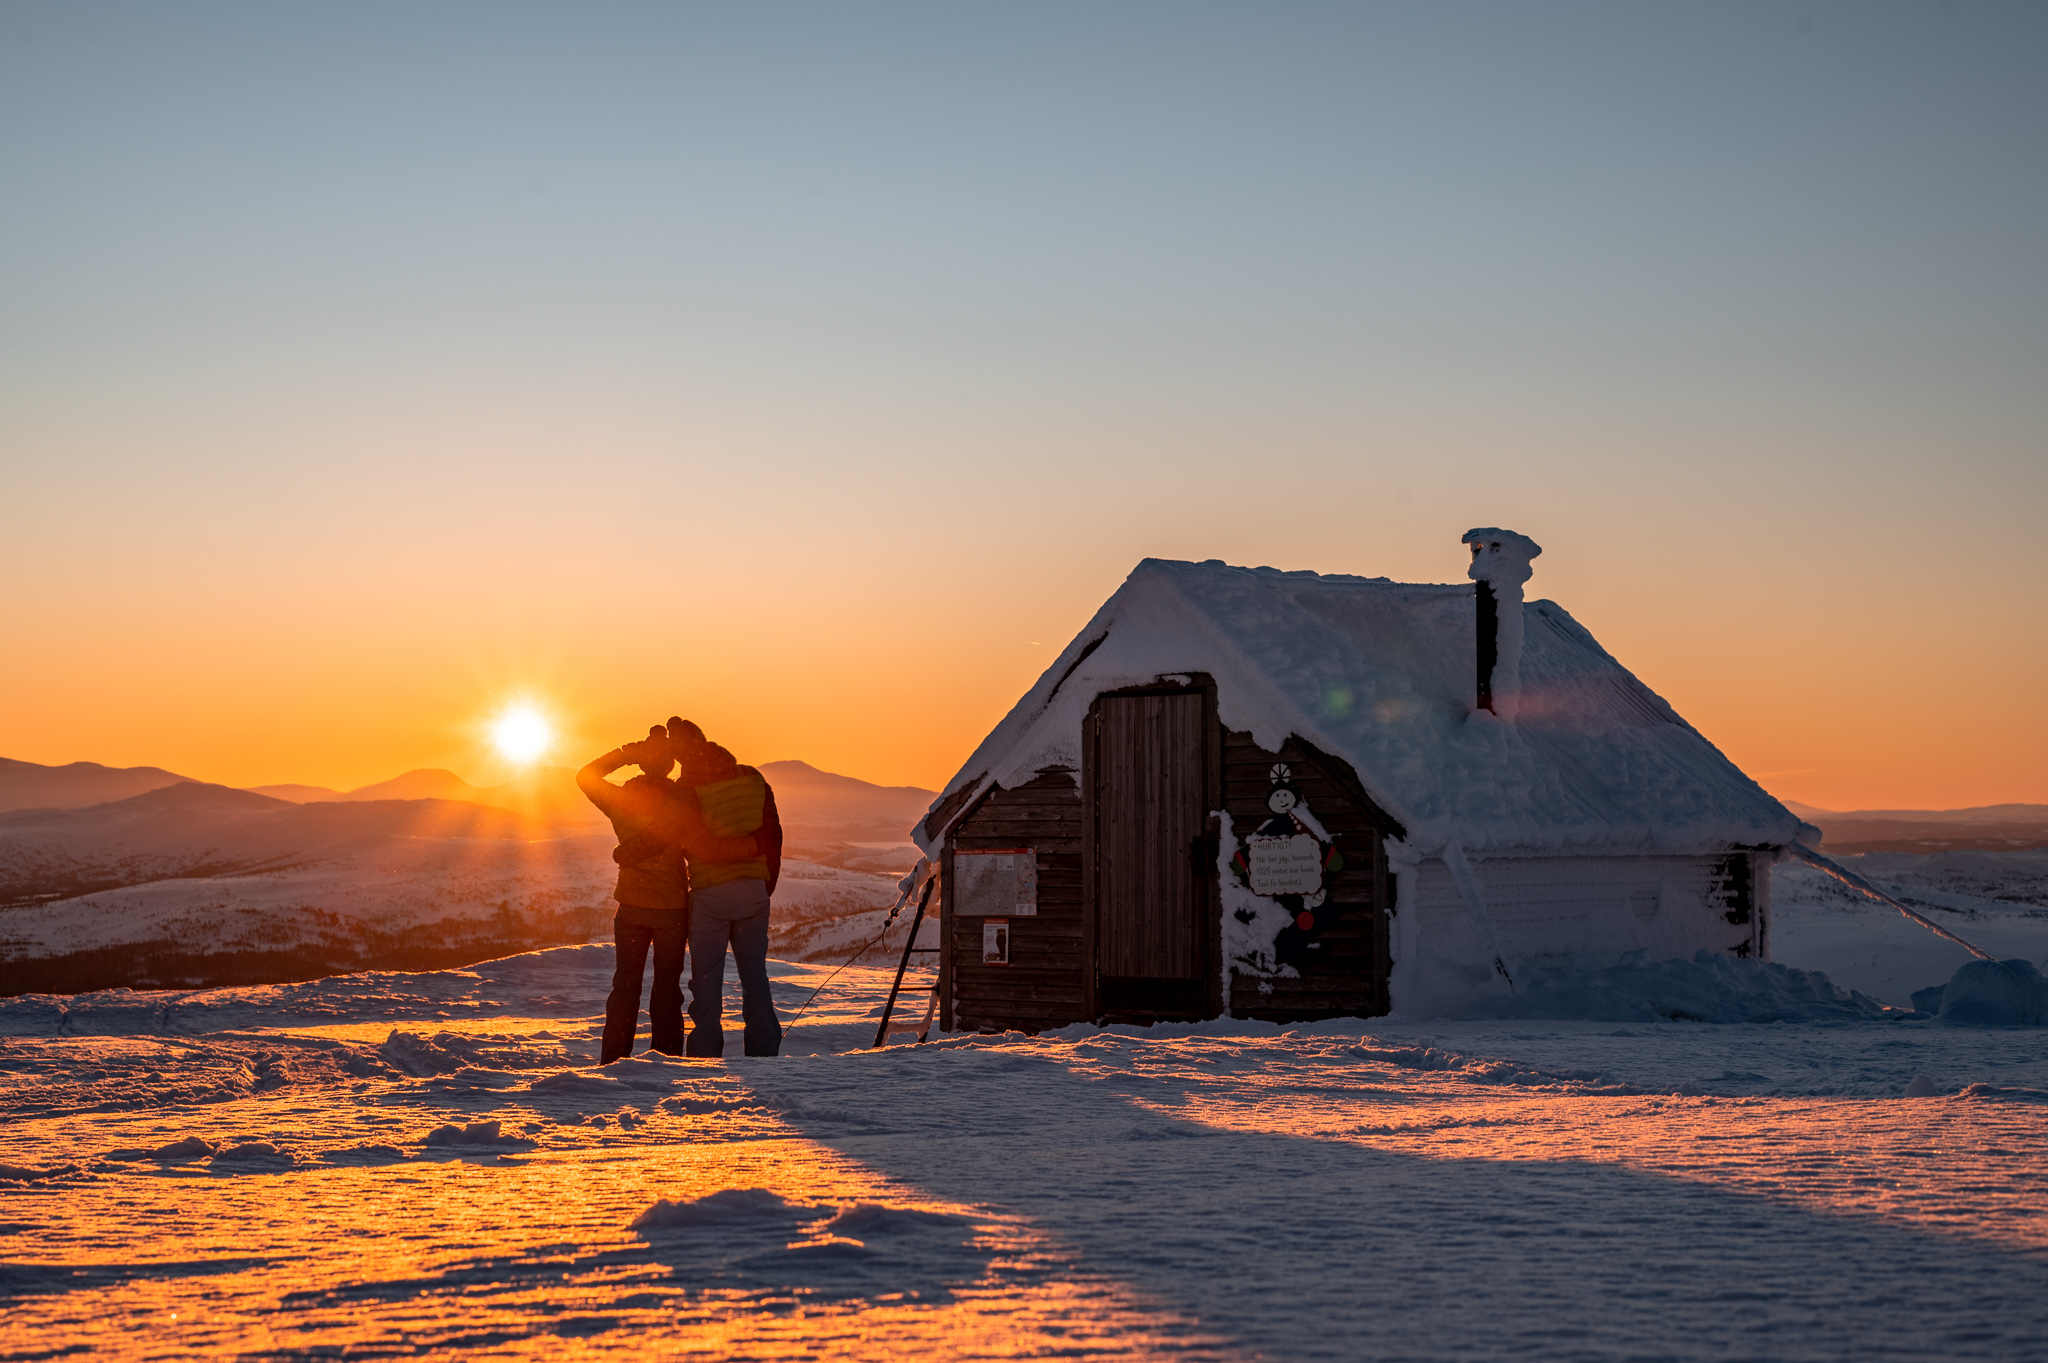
[395,901]
[1998,900]
[393,1164]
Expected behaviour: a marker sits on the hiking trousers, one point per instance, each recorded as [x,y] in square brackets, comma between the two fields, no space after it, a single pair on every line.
[734,914]
[667,931]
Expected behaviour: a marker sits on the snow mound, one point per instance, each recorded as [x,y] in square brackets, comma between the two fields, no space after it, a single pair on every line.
[22,1173]
[1711,987]
[192,1147]
[475,1133]
[720,1208]
[2009,1093]
[865,1221]
[569,1083]
[253,1152]
[1996,994]
[452,1053]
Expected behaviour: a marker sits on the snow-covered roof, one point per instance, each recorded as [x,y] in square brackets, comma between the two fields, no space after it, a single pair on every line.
[1381,674]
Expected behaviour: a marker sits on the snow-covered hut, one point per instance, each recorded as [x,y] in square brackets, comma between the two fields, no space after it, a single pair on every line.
[1290,795]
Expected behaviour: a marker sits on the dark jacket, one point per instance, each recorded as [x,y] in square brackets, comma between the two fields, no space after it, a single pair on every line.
[657,882]
[672,829]
[649,813]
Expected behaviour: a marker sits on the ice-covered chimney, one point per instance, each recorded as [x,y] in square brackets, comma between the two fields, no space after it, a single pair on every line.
[1500,565]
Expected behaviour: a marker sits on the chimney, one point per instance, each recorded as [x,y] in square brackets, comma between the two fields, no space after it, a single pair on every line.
[1500,565]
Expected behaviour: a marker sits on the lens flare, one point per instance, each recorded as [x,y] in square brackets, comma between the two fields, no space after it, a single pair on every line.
[522,734]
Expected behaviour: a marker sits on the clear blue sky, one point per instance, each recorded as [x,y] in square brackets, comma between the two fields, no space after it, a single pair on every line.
[351,341]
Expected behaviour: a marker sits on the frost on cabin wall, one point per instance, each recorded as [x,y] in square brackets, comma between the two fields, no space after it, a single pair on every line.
[1274,901]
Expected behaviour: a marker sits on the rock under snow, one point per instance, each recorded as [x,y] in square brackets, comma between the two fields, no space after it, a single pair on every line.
[1996,994]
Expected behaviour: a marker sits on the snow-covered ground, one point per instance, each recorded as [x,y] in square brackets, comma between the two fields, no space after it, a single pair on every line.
[383,1163]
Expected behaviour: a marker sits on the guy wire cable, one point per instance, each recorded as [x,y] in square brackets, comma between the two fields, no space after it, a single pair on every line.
[901,900]
[1856,882]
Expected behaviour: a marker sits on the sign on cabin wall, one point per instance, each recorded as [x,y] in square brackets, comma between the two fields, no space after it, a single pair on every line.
[1001,883]
[995,942]
[1276,912]
[1284,865]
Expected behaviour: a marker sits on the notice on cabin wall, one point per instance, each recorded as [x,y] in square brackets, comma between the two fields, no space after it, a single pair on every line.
[1284,865]
[1002,883]
[995,942]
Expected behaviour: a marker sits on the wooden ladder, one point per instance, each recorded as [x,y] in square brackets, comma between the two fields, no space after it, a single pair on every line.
[910,948]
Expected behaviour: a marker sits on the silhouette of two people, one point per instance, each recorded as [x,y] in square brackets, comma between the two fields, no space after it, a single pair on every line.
[699,854]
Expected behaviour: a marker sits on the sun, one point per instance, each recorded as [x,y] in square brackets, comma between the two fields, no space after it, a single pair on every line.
[522,734]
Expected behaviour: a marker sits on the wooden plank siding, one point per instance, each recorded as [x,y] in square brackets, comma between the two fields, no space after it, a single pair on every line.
[1350,980]
[1042,986]
[1058,956]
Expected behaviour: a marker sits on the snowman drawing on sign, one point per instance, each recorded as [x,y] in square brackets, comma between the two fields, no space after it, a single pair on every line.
[1286,860]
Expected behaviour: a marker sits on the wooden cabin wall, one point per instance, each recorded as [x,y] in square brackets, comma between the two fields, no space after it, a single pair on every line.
[1351,980]
[1043,986]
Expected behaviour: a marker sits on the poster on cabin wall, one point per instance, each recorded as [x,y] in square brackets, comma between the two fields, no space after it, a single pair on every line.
[995,942]
[1001,883]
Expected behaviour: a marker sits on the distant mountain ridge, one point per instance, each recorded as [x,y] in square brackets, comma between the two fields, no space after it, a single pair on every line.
[178,828]
[816,805]
[31,785]
[813,803]
[1985,828]
[547,793]
[193,829]
[2010,813]
[822,804]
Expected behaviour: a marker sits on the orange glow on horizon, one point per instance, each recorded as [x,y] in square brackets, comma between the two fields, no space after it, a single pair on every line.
[854,676]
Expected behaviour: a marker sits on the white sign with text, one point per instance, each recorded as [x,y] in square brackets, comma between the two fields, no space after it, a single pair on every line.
[1002,883]
[1284,865]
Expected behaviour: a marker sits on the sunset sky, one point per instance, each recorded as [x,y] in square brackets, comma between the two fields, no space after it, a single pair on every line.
[817,370]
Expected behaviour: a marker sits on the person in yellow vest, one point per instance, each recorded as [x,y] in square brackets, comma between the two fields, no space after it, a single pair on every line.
[729,898]
[653,891]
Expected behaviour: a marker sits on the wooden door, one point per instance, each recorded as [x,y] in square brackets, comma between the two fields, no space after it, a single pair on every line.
[1151,882]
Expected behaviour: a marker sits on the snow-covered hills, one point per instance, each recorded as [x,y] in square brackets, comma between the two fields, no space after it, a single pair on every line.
[194,829]
[390,903]
[193,884]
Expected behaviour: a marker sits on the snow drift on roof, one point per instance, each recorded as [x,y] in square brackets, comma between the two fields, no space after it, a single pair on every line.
[1381,674]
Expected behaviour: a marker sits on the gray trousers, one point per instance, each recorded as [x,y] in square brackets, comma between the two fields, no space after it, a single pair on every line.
[734,914]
